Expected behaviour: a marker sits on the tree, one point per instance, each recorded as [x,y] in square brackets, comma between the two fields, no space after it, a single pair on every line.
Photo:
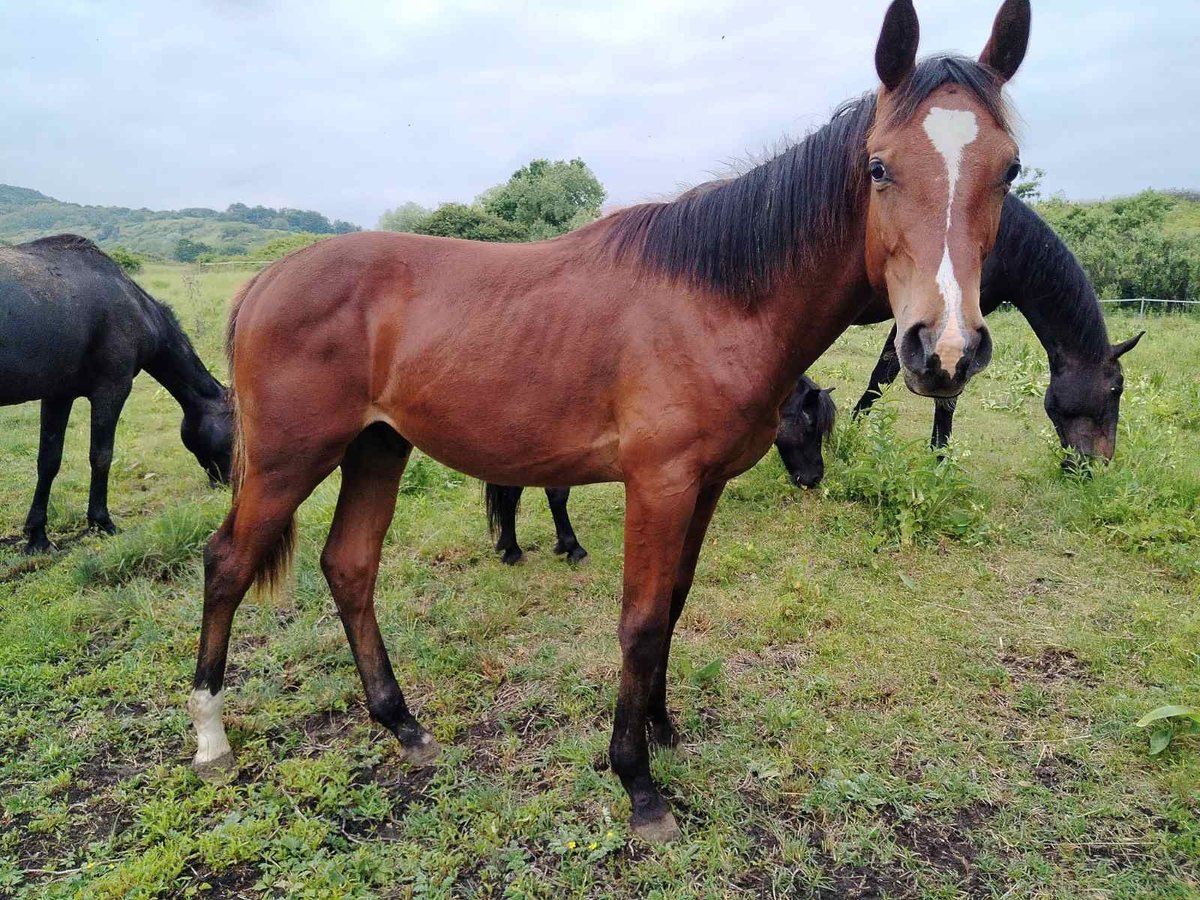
[547,198]
[1029,188]
[470,222]
[406,217]
[188,250]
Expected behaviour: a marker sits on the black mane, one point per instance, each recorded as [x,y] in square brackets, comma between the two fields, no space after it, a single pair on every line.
[1039,274]
[740,237]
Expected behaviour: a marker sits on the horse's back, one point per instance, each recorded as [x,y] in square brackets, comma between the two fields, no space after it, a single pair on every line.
[55,304]
[460,346]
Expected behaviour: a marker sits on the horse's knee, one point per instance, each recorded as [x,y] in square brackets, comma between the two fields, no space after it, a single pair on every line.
[349,577]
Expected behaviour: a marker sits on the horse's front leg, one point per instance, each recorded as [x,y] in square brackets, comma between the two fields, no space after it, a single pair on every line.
[657,517]
[661,730]
[884,373]
[55,414]
[107,404]
[943,421]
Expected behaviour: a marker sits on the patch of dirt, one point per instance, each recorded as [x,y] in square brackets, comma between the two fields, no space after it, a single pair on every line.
[787,657]
[1051,664]
[867,883]
[235,883]
[405,786]
[1055,771]
[946,846]
[94,817]
[322,729]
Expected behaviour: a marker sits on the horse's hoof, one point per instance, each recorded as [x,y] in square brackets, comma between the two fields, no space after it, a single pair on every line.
[512,557]
[576,555]
[217,771]
[662,830]
[38,547]
[421,752]
[104,526]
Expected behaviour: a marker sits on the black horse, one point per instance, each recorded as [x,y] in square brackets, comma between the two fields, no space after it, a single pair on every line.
[805,420]
[1031,268]
[72,324]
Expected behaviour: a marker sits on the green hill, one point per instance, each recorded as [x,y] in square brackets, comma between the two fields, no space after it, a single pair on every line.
[26,214]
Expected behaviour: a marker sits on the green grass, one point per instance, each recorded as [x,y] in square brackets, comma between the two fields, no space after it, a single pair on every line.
[921,680]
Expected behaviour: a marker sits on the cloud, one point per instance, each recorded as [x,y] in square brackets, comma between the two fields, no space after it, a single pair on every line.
[353,108]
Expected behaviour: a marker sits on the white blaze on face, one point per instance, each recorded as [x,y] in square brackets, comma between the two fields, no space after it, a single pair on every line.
[951,130]
[205,710]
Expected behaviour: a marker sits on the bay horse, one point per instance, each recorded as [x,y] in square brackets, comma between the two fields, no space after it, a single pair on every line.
[806,420]
[689,322]
[75,325]
[1032,268]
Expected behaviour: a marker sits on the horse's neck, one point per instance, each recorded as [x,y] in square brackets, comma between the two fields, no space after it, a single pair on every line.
[1060,305]
[806,318]
[175,365]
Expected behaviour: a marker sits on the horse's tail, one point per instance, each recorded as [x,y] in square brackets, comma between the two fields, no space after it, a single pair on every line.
[273,568]
[502,502]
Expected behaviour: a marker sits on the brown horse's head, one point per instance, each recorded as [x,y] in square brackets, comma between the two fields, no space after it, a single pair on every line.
[940,142]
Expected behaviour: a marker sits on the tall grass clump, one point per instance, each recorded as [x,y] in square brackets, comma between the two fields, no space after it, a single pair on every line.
[917,496]
[160,549]
[1147,500]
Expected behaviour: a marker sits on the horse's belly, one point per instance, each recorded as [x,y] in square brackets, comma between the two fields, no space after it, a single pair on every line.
[512,451]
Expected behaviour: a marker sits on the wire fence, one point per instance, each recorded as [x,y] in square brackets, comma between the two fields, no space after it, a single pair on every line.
[1140,303]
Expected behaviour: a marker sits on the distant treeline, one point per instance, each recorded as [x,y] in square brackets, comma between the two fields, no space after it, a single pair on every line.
[27,214]
[1146,245]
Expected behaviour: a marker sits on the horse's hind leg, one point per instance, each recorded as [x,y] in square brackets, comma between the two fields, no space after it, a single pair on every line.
[371,472]
[107,404]
[503,503]
[567,542]
[252,543]
[885,372]
[55,414]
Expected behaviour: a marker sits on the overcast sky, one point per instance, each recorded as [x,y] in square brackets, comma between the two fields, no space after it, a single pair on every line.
[353,107]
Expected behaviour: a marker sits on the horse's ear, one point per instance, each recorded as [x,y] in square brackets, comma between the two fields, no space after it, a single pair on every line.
[1124,347]
[896,52]
[1010,37]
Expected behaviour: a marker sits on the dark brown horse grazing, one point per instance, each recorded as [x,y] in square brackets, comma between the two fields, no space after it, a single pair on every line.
[72,325]
[689,321]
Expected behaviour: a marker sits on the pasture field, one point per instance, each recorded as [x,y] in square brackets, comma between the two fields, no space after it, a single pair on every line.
[918,681]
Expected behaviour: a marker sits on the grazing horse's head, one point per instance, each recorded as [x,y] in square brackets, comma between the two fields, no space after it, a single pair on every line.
[1084,401]
[940,142]
[207,431]
[805,421]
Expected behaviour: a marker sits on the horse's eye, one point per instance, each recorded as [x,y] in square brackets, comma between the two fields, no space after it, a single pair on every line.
[1013,173]
[879,172]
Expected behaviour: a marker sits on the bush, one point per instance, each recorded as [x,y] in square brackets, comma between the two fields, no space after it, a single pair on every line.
[916,495]
[470,222]
[1127,247]
[129,262]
